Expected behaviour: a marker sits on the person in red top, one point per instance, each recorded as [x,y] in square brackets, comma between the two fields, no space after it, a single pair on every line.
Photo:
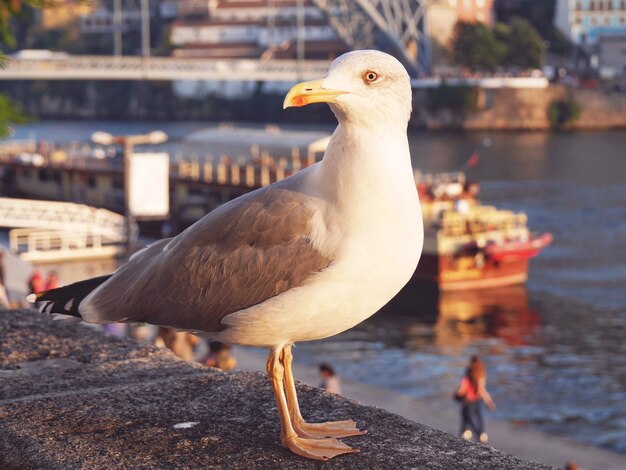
[53,281]
[471,391]
[36,282]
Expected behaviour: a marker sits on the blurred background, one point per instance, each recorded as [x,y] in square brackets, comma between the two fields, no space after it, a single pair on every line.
[123,121]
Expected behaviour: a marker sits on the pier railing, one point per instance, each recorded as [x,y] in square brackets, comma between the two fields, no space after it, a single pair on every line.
[242,172]
[27,213]
[161,68]
[49,245]
[12,148]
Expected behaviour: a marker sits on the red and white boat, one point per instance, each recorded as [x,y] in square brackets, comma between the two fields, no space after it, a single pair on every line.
[515,250]
[468,245]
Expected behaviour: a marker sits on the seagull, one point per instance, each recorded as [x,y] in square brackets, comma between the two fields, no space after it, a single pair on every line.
[302,259]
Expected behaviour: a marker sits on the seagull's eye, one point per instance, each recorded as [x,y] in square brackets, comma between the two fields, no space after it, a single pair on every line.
[370,77]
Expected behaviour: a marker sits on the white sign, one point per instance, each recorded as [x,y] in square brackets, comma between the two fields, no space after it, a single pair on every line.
[149,185]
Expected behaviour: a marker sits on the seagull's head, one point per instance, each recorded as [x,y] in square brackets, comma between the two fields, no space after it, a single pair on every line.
[367,88]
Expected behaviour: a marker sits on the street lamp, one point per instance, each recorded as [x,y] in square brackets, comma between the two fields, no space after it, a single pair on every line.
[128,142]
[102,138]
[157,137]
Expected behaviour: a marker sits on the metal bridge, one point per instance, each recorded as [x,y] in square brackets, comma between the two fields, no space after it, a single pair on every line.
[50,231]
[402,22]
[161,68]
[357,22]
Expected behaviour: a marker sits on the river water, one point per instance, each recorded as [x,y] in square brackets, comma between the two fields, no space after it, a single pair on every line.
[555,349]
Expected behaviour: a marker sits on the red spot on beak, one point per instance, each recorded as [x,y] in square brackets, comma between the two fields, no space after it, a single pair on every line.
[300,101]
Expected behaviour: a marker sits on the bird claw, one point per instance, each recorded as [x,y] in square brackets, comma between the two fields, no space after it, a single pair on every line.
[317,449]
[329,429]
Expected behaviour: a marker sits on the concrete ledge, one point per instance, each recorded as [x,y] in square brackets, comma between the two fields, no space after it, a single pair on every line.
[74,398]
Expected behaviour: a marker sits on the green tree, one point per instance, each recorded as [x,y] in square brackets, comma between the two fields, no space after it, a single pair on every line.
[11,8]
[564,112]
[8,9]
[479,47]
[10,112]
[474,45]
[539,13]
[523,43]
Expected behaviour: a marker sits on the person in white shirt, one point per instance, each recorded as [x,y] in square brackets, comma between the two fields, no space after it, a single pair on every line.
[330,380]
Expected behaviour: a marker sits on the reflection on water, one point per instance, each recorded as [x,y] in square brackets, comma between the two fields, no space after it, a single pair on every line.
[502,313]
[459,318]
[421,322]
[594,158]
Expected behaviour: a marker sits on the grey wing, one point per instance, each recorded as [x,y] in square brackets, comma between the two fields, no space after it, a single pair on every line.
[248,251]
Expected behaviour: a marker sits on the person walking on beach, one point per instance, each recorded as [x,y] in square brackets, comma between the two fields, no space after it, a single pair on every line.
[52,282]
[36,283]
[4,296]
[471,392]
[2,275]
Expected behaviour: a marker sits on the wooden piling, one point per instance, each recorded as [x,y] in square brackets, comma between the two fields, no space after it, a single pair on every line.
[221,170]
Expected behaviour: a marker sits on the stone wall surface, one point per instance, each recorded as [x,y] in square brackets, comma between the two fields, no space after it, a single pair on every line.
[600,110]
[510,109]
[72,397]
[519,109]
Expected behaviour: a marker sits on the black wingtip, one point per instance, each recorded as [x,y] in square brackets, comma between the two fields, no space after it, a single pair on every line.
[65,300]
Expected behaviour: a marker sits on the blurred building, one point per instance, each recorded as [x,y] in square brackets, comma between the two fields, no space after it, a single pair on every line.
[611,52]
[599,28]
[474,11]
[253,29]
[585,21]
[102,20]
[64,13]
[442,16]
[441,19]
[102,17]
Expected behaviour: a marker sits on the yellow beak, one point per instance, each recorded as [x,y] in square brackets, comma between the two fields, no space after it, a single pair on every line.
[310,92]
